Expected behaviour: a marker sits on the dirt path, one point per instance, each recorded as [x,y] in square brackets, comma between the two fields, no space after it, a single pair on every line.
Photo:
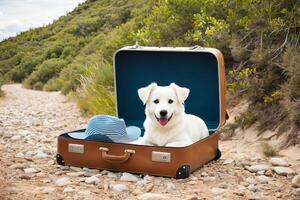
[31,120]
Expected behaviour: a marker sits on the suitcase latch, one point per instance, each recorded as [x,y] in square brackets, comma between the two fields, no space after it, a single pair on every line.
[76,148]
[159,156]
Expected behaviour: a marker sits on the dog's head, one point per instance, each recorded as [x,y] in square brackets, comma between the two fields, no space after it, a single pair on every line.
[164,103]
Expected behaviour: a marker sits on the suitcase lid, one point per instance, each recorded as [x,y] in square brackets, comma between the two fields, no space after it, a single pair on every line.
[199,69]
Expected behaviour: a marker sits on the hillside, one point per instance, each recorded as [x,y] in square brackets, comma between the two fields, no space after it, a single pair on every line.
[259,39]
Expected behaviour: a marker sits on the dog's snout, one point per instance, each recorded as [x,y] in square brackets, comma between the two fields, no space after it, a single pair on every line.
[163,113]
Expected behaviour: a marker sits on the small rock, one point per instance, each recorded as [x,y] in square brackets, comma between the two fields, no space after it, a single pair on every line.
[149,187]
[218,191]
[20,155]
[15,137]
[19,166]
[228,161]
[296,192]
[252,188]
[171,187]
[30,170]
[192,182]
[208,179]
[75,174]
[48,190]
[128,177]
[68,190]
[112,175]
[92,180]
[263,179]
[275,161]
[269,173]
[76,169]
[222,185]
[256,168]
[204,174]
[296,181]
[152,196]
[40,154]
[62,181]
[240,191]
[41,174]
[25,177]
[84,193]
[284,171]
[119,188]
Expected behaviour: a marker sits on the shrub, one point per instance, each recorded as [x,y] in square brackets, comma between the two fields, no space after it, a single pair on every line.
[52,85]
[1,83]
[44,72]
[268,150]
[96,95]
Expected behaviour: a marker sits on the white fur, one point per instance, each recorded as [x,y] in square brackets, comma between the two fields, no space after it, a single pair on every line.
[181,130]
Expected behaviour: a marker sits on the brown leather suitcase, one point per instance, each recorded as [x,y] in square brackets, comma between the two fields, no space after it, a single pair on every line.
[199,69]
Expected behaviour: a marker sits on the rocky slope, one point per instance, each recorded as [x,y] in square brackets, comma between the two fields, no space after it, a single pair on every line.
[31,120]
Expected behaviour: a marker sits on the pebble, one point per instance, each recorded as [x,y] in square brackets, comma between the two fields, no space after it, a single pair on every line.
[296,192]
[263,179]
[256,168]
[228,161]
[269,173]
[208,178]
[252,188]
[25,177]
[119,188]
[40,154]
[62,181]
[76,169]
[92,180]
[222,185]
[284,171]
[84,193]
[296,181]
[112,175]
[30,170]
[48,190]
[275,161]
[128,177]
[15,137]
[75,174]
[152,196]
[68,190]
[149,187]
[218,191]
[171,187]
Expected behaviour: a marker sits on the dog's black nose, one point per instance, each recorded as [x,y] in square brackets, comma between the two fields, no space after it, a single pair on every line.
[163,113]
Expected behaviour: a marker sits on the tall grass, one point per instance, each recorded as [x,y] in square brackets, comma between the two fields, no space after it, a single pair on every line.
[1,83]
[96,94]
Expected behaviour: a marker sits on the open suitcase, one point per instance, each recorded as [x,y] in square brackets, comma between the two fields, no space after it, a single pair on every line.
[199,69]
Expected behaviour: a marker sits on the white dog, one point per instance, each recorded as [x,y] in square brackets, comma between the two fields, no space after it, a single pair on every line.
[166,122]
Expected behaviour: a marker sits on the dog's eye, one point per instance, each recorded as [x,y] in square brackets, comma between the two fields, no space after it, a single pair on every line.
[156,101]
[170,101]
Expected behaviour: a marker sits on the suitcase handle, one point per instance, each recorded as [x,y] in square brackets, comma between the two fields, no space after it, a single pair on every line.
[114,158]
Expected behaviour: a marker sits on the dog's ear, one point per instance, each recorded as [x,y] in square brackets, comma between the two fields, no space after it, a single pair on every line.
[145,92]
[181,92]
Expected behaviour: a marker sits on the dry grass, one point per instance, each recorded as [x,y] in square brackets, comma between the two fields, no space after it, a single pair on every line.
[268,150]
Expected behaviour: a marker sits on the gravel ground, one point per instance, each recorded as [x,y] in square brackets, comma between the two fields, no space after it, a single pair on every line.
[30,122]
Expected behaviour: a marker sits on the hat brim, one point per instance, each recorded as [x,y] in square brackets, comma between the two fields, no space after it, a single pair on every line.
[133,133]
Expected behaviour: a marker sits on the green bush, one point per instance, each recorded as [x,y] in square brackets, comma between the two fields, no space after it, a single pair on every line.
[44,72]
[1,83]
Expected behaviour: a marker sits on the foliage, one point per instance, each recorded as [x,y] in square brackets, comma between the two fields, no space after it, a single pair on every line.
[1,83]
[268,150]
[96,93]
